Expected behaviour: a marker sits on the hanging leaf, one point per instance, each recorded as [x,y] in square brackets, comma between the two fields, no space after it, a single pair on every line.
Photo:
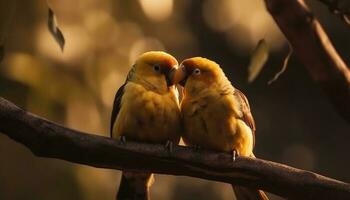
[2,52]
[346,18]
[258,60]
[54,30]
[284,67]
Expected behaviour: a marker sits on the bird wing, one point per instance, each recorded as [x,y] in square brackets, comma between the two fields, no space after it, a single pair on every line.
[117,105]
[247,116]
[118,99]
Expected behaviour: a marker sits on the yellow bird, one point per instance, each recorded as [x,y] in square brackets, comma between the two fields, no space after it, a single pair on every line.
[146,109]
[216,115]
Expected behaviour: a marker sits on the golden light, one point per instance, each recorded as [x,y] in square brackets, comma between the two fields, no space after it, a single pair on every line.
[244,22]
[143,45]
[77,44]
[82,113]
[219,14]
[109,85]
[157,10]
[24,68]
[101,28]
[129,32]
[98,184]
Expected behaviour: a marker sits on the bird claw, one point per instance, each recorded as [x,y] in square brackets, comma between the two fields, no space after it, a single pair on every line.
[169,146]
[235,154]
[122,140]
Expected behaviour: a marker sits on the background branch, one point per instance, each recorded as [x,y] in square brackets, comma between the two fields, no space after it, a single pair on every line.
[335,7]
[314,49]
[47,139]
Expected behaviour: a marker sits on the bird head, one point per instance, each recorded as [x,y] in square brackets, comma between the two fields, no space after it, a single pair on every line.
[198,74]
[155,69]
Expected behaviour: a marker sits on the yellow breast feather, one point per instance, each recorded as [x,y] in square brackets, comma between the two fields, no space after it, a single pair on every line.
[147,115]
[214,123]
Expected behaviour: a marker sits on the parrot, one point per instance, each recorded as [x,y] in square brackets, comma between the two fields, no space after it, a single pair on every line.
[146,109]
[216,115]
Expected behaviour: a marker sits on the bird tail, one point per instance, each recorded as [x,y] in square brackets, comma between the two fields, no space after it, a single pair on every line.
[135,186]
[244,193]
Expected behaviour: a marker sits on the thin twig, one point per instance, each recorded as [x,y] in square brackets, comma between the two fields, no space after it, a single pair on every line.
[284,67]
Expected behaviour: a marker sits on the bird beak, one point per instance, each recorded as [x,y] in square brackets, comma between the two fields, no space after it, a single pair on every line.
[177,76]
[170,77]
[181,75]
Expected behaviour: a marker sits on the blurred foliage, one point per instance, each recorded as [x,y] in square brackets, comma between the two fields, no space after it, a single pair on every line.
[295,123]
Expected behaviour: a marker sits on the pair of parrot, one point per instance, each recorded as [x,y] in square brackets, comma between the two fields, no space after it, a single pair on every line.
[212,114]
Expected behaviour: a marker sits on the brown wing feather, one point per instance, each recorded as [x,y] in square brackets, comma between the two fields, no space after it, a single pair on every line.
[116,106]
[118,98]
[247,116]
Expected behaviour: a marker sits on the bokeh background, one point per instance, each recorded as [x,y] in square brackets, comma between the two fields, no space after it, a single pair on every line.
[296,125]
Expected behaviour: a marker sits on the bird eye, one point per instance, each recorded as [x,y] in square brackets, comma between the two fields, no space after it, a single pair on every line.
[156,68]
[196,71]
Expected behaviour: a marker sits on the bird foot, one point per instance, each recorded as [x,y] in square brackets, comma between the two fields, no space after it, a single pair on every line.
[235,154]
[122,140]
[169,146]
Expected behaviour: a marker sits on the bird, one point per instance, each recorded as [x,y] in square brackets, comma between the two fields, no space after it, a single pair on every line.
[146,109]
[216,115]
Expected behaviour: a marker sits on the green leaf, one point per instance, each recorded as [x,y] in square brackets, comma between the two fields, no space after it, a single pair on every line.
[258,59]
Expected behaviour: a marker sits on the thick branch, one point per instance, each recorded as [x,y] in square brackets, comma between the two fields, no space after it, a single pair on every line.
[314,49]
[47,139]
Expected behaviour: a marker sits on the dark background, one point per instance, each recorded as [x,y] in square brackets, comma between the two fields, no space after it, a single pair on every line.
[296,125]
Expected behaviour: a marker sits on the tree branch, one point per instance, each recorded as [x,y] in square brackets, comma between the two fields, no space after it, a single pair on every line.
[335,8]
[47,139]
[314,49]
